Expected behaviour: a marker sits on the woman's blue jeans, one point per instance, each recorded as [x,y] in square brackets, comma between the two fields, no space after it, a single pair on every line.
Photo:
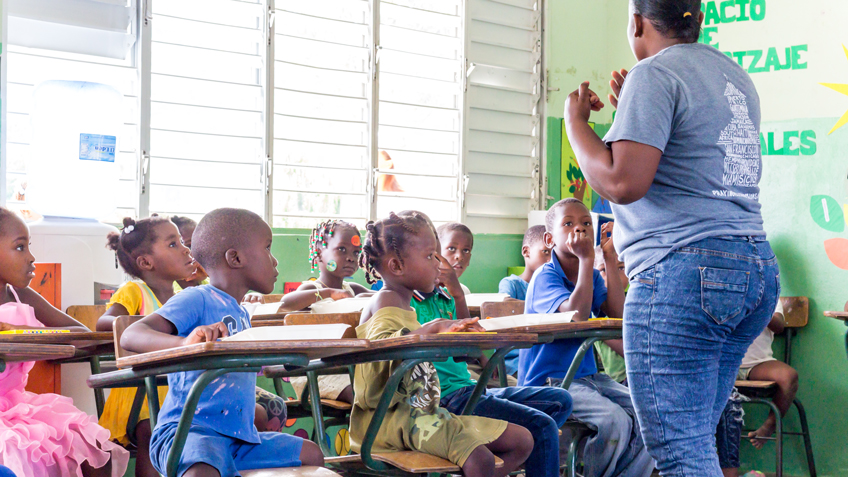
[688,321]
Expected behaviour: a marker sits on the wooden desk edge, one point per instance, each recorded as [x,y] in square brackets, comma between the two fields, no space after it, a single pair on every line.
[839,315]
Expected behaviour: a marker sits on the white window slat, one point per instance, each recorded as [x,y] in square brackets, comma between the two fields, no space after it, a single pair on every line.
[527,4]
[306,179]
[496,121]
[315,80]
[196,92]
[501,14]
[446,7]
[322,29]
[393,114]
[500,100]
[502,186]
[438,210]
[497,225]
[485,141]
[207,35]
[320,106]
[320,54]
[196,119]
[241,14]
[168,199]
[205,64]
[418,140]
[503,164]
[419,66]
[404,89]
[505,79]
[420,20]
[179,172]
[352,11]
[318,130]
[513,59]
[500,35]
[318,154]
[421,43]
[204,147]
[489,205]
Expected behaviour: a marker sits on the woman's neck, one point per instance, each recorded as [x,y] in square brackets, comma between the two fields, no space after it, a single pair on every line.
[330,281]
[163,288]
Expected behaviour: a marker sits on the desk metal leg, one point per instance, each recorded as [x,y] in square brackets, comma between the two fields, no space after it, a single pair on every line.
[135,411]
[578,358]
[152,400]
[317,412]
[99,398]
[485,374]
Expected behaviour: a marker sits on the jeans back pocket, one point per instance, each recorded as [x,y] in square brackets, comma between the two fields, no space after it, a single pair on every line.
[723,292]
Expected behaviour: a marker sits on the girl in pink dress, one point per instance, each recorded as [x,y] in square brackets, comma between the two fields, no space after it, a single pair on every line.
[42,435]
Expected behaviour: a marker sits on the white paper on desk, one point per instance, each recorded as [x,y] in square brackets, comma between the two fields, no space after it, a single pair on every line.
[291,333]
[348,305]
[254,309]
[477,299]
[514,321]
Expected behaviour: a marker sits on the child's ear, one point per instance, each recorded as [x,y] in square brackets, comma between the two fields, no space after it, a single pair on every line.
[525,251]
[639,29]
[549,240]
[233,258]
[144,262]
[395,266]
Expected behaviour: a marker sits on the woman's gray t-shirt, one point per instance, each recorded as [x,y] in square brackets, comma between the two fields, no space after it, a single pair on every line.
[702,111]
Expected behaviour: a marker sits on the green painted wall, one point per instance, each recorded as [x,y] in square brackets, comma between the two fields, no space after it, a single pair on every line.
[586,40]
[490,258]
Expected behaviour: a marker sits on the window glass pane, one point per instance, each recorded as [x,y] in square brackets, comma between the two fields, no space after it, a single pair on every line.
[319,154]
[319,180]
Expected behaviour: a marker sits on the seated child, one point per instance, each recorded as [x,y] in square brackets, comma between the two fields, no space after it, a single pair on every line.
[456,244]
[42,435]
[186,227]
[611,352]
[569,283]
[759,365]
[150,251]
[334,249]
[234,247]
[541,410]
[403,251]
[535,255]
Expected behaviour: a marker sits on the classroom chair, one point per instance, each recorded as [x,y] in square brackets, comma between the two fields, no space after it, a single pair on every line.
[797,312]
[88,316]
[573,431]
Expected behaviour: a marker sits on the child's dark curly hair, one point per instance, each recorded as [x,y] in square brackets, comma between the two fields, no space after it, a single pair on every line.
[320,234]
[134,240]
[388,236]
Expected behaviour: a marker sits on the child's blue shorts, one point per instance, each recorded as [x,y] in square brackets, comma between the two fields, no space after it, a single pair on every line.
[225,453]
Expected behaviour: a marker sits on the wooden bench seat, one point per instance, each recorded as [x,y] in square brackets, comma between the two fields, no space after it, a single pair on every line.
[756,384]
[407,461]
[290,472]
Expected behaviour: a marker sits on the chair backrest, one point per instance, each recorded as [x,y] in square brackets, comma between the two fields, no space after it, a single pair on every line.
[796,310]
[495,309]
[352,319]
[118,327]
[272,298]
[87,314]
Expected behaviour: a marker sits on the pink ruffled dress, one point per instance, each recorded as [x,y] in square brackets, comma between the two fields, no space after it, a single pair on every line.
[44,435]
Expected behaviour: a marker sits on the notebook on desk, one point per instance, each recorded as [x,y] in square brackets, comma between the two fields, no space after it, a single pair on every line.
[291,333]
[515,321]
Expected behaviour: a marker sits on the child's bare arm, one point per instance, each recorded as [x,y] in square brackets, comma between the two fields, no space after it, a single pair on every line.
[46,313]
[777,323]
[361,291]
[154,333]
[449,326]
[614,306]
[580,299]
[307,294]
[447,277]
[107,321]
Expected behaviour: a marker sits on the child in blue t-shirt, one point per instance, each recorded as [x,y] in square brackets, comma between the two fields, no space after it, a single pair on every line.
[234,247]
[535,254]
[569,283]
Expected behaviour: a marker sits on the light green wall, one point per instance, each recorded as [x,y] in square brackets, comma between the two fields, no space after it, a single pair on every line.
[586,40]
[490,258]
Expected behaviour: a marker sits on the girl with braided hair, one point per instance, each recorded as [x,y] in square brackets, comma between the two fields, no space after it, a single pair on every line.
[334,249]
[402,251]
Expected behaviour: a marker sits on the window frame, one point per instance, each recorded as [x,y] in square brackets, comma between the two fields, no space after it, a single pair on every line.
[143,59]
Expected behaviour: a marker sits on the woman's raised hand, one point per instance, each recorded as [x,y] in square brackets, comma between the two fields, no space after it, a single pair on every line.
[616,83]
[581,103]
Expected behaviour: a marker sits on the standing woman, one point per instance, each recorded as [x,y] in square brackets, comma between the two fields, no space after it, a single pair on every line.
[681,166]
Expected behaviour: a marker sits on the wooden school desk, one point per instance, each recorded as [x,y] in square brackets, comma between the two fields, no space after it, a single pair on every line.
[87,346]
[17,352]
[411,350]
[215,359]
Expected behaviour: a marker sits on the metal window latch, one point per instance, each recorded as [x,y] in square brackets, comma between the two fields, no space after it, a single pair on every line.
[145,164]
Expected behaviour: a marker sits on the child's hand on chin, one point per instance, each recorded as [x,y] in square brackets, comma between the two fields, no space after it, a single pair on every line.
[581,245]
[205,333]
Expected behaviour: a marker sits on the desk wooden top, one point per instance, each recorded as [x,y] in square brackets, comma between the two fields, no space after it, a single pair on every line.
[839,315]
[90,343]
[575,326]
[13,352]
[476,340]
[275,316]
[312,349]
